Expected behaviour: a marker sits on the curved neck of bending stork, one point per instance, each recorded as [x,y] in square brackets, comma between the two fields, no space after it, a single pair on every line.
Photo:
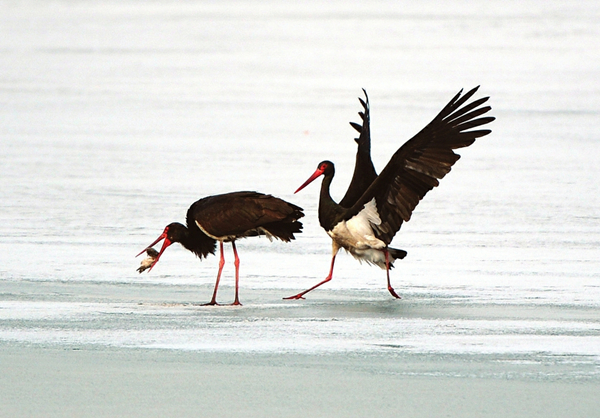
[186,240]
[197,241]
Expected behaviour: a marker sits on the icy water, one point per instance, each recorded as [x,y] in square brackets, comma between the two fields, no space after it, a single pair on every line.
[116,116]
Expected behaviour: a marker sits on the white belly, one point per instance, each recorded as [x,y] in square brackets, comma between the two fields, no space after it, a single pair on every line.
[357,237]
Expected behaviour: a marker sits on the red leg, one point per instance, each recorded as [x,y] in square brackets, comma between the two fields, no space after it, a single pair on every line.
[328,278]
[387,270]
[237,274]
[213,301]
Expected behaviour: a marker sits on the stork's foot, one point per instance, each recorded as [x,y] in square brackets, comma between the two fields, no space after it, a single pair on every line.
[393,292]
[295,297]
[211,303]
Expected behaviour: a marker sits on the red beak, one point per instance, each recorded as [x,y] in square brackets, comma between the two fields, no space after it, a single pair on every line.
[164,246]
[312,178]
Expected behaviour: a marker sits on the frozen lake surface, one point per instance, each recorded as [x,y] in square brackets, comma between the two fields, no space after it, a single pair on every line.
[116,116]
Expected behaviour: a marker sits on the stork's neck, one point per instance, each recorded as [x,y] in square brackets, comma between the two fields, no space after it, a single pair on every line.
[197,241]
[329,210]
[181,234]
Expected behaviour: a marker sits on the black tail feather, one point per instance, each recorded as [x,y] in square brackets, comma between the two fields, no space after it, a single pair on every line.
[395,254]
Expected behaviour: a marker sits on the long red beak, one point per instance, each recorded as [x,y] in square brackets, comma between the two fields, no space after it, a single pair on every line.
[164,247]
[312,178]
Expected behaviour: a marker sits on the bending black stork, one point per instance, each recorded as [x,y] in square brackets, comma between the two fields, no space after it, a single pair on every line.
[366,228]
[228,217]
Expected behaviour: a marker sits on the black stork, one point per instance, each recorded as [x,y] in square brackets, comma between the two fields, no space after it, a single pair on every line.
[366,227]
[227,217]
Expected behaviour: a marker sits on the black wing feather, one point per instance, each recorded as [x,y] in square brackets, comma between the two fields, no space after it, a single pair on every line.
[243,213]
[364,171]
[421,162]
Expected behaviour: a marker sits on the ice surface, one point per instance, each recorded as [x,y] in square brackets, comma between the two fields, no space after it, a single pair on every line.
[116,116]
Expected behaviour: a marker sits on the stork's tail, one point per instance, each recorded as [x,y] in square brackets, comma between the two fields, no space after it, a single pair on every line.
[395,254]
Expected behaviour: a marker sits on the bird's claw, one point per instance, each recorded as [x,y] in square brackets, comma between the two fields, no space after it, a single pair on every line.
[211,303]
[295,297]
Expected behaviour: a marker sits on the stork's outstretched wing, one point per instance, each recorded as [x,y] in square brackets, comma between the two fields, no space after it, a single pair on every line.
[422,161]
